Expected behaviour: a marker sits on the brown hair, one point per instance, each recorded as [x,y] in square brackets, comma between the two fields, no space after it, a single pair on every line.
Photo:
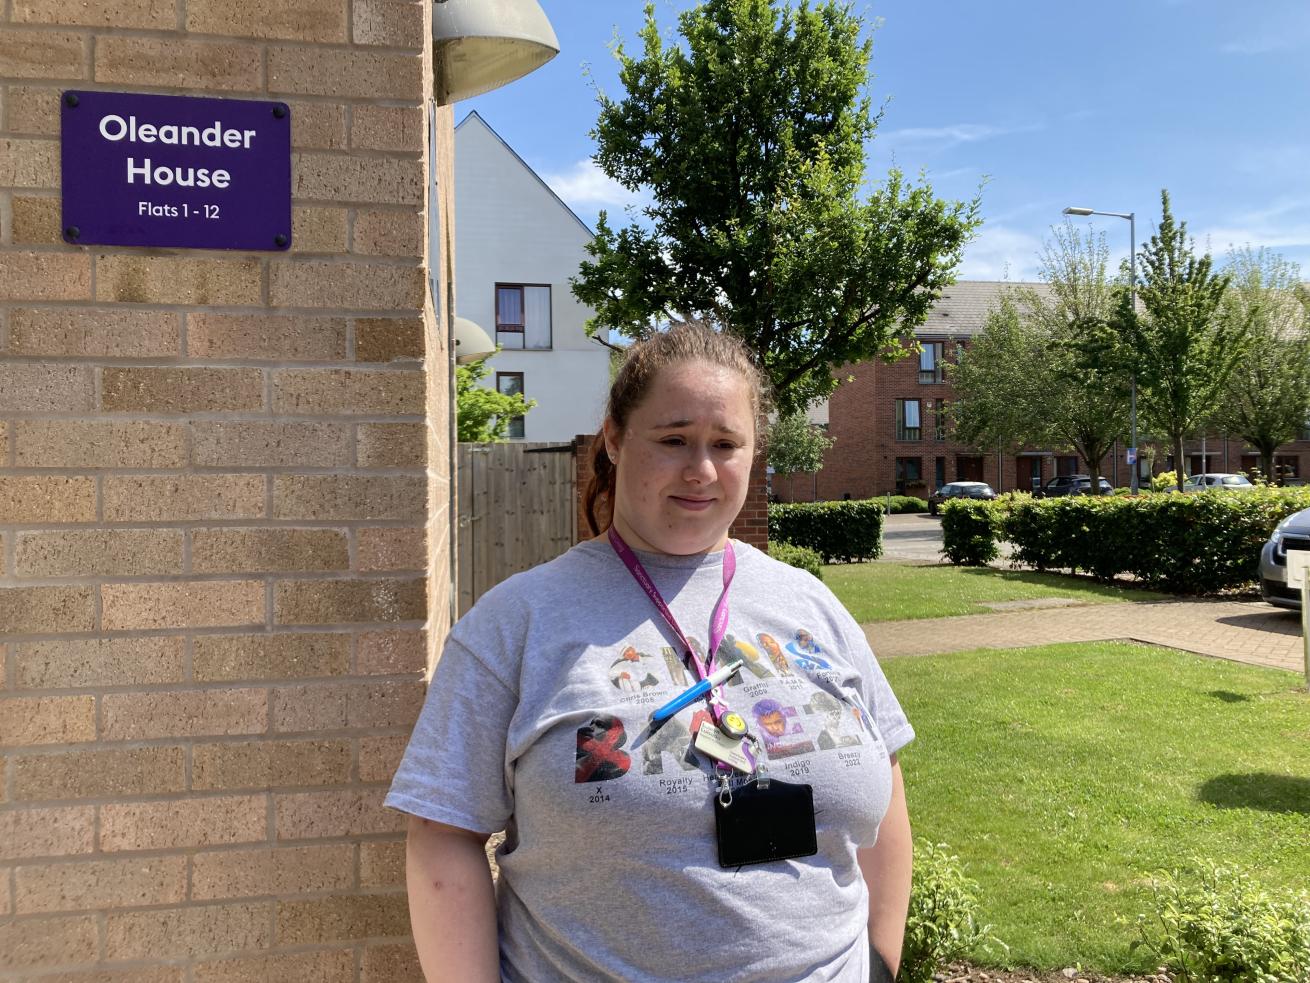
[691,341]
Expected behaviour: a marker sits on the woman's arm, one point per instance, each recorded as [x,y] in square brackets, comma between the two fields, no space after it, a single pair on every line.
[886,869]
[452,904]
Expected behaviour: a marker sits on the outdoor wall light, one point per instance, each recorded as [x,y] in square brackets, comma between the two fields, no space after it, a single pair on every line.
[471,341]
[480,45]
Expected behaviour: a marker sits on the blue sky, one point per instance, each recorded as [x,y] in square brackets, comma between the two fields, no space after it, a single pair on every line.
[1055,103]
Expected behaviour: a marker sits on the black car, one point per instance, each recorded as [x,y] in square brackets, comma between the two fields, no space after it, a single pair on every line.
[1073,484]
[959,489]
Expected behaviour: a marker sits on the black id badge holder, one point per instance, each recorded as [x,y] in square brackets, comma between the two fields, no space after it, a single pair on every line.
[763,821]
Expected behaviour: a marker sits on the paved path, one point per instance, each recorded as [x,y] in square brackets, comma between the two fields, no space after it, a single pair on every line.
[1244,631]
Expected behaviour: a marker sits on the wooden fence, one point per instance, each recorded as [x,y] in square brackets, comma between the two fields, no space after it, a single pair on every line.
[517,508]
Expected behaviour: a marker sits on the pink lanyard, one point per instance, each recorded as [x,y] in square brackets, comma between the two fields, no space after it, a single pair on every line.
[718,620]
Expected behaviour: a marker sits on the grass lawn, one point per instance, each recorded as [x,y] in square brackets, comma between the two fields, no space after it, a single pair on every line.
[897,591]
[1064,775]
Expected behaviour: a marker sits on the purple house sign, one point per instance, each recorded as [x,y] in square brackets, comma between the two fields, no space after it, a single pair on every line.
[176,171]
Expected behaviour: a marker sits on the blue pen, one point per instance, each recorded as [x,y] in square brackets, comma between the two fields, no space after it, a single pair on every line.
[689,696]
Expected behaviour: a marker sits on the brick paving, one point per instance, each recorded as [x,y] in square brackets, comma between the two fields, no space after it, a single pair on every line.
[1243,631]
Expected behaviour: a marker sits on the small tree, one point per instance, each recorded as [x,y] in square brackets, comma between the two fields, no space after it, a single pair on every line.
[1078,399]
[483,415]
[749,138]
[795,444]
[1267,399]
[1182,351]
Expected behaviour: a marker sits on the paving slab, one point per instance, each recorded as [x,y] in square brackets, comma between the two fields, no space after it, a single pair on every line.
[1242,631]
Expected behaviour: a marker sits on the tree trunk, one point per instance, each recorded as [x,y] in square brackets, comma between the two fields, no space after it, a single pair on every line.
[1178,460]
[1267,463]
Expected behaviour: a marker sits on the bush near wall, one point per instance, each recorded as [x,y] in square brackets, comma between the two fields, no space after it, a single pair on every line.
[1188,544]
[838,531]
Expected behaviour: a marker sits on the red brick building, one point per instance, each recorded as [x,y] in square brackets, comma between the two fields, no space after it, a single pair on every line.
[893,436]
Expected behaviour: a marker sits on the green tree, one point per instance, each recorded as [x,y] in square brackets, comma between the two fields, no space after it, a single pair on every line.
[749,138]
[1267,399]
[1182,350]
[1076,399]
[795,444]
[483,415]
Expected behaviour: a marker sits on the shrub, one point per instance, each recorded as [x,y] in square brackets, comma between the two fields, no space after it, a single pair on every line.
[942,922]
[906,504]
[1191,544]
[797,556]
[841,531]
[969,531]
[1163,480]
[1214,924]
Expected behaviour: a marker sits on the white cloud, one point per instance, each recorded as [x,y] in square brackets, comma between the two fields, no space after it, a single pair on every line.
[944,137]
[1001,253]
[584,185]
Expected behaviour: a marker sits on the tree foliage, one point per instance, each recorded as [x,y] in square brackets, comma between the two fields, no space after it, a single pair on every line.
[1181,350]
[1267,399]
[483,415]
[1034,376]
[749,138]
[795,444]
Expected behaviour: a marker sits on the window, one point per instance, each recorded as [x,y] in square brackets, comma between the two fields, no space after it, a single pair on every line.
[1286,467]
[511,384]
[523,316]
[931,362]
[1305,431]
[907,419]
[1066,465]
[939,419]
[909,471]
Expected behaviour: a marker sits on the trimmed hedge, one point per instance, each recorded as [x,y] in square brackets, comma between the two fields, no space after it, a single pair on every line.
[1188,544]
[969,531]
[797,556]
[838,531]
[905,504]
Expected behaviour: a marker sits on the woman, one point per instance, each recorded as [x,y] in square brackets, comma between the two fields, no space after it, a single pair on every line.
[669,848]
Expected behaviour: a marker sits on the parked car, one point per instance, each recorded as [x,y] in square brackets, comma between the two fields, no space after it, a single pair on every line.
[1293,533]
[1218,482]
[959,489]
[1073,484]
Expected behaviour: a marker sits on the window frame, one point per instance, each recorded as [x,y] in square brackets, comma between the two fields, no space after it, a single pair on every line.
[515,422]
[903,430]
[522,329]
[937,372]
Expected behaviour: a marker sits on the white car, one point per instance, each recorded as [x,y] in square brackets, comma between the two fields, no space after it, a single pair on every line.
[1293,533]
[1218,482]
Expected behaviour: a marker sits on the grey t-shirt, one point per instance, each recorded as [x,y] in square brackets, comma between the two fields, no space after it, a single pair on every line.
[536,723]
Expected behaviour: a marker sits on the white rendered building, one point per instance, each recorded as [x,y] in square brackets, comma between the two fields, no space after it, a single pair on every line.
[518,246]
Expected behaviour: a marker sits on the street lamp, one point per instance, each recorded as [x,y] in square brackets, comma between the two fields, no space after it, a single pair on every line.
[1132,294]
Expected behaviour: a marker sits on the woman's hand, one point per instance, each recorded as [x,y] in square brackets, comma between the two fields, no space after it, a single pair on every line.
[886,867]
[452,904]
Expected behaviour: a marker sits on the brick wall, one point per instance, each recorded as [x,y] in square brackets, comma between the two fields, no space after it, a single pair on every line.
[862,462]
[752,525]
[213,498]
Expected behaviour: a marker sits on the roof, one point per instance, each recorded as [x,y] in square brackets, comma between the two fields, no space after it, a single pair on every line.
[963,306]
[473,114]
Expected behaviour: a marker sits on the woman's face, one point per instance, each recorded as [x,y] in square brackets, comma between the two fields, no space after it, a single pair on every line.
[684,461]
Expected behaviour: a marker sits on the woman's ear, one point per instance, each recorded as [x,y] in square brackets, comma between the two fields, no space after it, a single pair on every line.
[611,439]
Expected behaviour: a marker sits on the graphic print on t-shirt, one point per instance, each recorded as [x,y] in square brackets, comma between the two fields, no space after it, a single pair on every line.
[776,691]
[770,645]
[633,671]
[806,651]
[600,757]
